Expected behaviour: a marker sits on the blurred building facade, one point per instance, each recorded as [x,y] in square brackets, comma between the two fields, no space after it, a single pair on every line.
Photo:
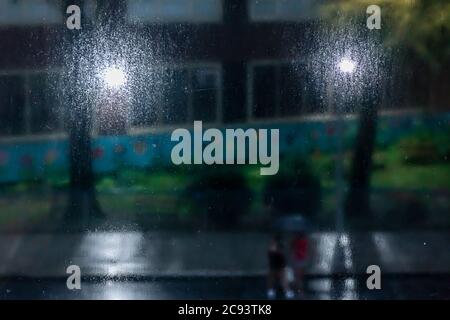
[227,61]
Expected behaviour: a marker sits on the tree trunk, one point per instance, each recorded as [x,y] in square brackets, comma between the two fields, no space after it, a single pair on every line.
[82,198]
[358,198]
[82,201]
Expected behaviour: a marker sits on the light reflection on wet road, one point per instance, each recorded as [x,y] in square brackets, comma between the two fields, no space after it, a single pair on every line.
[225,288]
[136,265]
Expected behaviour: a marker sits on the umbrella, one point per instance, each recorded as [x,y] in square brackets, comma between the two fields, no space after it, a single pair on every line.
[292,223]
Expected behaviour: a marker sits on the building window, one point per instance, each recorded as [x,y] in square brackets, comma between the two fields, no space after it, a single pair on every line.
[281,89]
[163,11]
[282,10]
[205,93]
[178,95]
[175,102]
[293,85]
[147,99]
[265,91]
[43,103]
[12,105]
[29,104]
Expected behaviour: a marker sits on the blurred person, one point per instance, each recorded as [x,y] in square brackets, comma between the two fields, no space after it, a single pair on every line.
[277,276]
[299,256]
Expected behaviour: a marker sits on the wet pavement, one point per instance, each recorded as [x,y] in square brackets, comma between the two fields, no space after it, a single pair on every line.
[393,287]
[215,254]
[167,265]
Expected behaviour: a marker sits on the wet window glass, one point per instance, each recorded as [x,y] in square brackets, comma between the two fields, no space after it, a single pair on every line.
[13,104]
[44,108]
[209,149]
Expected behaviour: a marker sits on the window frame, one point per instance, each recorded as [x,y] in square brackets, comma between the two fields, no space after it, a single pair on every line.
[277,63]
[26,75]
[189,67]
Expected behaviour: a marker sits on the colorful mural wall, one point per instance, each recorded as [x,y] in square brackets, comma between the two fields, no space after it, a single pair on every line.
[35,160]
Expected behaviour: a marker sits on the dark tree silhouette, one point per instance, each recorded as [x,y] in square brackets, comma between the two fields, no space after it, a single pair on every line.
[420,27]
[82,201]
[358,197]
[78,48]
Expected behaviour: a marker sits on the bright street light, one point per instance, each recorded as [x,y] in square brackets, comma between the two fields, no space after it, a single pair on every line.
[114,77]
[347,66]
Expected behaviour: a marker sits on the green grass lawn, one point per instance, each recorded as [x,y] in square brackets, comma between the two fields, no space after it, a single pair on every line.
[20,211]
[144,196]
[413,177]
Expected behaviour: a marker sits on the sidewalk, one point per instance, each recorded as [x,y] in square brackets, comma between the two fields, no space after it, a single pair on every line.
[159,254]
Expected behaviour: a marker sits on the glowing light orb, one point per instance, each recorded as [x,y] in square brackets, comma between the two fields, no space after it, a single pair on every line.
[114,77]
[347,65]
